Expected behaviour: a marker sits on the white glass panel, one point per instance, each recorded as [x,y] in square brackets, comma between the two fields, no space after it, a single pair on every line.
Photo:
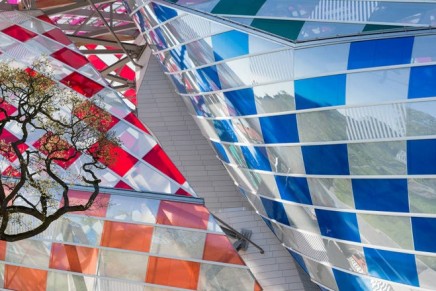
[122,265]
[288,160]
[213,277]
[30,253]
[422,195]
[133,209]
[331,192]
[69,282]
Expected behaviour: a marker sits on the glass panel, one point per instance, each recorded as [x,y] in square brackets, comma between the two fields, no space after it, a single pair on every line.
[422,49]
[256,158]
[205,6]
[392,266]
[421,157]
[248,130]
[426,271]
[327,125]
[178,243]
[378,158]
[424,233]
[122,265]
[421,118]
[422,195]
[213,277]
[236,156]
[377,86]
[345,256]
[336,224]
[275,210]
[73,258]
[69,282]
[302,217]
[274,98]
[384,230]
[335,193]
[127,236]
[316,30]
[308,244]
[279,128]
[381,194]
[288,160]
[320,92]
[321,273]
[380,52]
[29,253]
[326,159]
[83,230]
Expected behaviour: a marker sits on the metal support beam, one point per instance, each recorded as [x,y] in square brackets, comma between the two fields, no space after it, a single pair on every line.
[87,40]
[79,4]
[119,79]
[102,52]
[115,66]
[97,31]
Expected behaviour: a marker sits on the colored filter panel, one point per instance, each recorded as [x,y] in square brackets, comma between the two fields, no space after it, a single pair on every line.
[341,225]
[392,266]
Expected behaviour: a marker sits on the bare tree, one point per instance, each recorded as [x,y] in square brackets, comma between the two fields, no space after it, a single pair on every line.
[34,188]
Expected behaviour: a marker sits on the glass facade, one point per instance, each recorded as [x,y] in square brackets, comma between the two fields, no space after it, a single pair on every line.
[330,138]
[146,230]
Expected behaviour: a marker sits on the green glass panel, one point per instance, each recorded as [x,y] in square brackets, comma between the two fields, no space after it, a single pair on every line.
[240,7]
[286,28]
[375,27]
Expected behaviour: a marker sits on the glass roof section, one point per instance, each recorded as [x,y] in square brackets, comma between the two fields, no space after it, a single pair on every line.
[305,20]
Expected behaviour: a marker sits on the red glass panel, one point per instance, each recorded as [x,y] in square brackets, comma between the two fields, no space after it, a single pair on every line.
[6,109]
[64,151]
[175,273]
[57,35]
[159,159]
[122,161]
[183,192]
[82,84]
[257,286]
[19,33]
[70,58]
[11,172]
[3,245]
[123,185]
[97,62]
[97,112]
[127,236]
[6,138]
[219,249]
[45,18]
[136,122]
[183,214]
[98,208]
[73,258]
[25,279]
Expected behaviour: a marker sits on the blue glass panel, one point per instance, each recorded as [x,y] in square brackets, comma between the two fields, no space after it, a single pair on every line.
[392,266]
[224,129]
[341,225]
[200,105]
[421,157]
[180,56]
[347,282]
[320,92]
[294,189]
[220,151]
[158,38]
[275,210]
[241,101]
[207,79]
[381,194]
[279,128]
[422,82]
[326,159]
[299,259]
[381,52]
[256,158]
[268,223]
[178,84]
[229,45]
[424,233]
[163,13]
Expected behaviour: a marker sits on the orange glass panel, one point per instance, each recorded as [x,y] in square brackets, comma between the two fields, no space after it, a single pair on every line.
[2,250]
[25,279]
[73,258]
[183,214]
[219,249]
[257,286]
[127,236]
[98,209]
[170,272]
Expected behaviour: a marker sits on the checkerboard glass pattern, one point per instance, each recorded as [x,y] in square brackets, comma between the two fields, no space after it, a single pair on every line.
[140,163]
[127,241]
[333,143]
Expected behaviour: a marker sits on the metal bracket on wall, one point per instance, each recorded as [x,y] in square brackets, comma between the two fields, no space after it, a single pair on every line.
[243,237]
